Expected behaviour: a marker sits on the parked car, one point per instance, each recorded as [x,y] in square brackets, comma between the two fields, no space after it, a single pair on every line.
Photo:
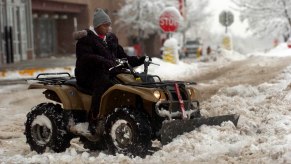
[192,48]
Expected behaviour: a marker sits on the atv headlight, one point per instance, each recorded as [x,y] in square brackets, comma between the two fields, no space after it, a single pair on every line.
[157,94]
[190,92]
[195,95]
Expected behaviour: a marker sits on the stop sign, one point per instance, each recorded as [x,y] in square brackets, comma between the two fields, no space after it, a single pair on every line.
[169,20]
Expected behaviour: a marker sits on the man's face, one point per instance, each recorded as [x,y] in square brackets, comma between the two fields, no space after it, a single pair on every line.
[103,29]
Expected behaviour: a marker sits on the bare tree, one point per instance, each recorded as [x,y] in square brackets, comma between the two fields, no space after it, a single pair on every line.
[140,17]
[267,17]
[196,13]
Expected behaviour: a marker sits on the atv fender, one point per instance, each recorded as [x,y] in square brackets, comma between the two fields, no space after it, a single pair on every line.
[117,94]
[67,95]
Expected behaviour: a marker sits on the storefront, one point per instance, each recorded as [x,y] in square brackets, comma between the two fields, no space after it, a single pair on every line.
[16,41]
[42,28]
[54,22]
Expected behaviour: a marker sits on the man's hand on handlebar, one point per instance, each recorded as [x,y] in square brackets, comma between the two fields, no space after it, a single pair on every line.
[119,63]
[148,61]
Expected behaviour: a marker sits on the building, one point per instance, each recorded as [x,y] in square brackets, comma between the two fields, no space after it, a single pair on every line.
[54,21]
[16,41]
[42,28]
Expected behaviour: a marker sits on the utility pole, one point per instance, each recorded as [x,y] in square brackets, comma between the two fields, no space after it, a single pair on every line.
[183,12]
[139,30]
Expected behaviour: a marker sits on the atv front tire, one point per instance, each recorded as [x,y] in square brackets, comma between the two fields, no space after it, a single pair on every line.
[128,132]
[46,127]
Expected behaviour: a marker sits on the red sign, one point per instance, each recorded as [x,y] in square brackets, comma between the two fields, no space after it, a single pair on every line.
[169,20]
[289,43]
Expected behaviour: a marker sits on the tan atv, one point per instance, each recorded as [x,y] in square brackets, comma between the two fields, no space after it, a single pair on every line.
[139,108]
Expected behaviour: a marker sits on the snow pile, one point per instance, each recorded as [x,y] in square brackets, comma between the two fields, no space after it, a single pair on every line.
[265,118]
[169,71]
[166,70]
[281,50]
[227,56]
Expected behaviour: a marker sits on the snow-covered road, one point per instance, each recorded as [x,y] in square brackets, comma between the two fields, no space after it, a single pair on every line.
[257,88]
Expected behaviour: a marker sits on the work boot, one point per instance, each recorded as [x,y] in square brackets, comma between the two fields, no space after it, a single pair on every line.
[96,127]
[92,128]
[93,121]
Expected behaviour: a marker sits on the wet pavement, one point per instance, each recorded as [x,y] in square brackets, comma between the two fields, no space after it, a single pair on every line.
[31,67]
[51,62]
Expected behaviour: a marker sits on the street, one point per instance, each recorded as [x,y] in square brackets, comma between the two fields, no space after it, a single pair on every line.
[242,87]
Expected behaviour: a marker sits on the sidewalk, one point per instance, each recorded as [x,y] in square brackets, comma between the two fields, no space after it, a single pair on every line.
[30,68]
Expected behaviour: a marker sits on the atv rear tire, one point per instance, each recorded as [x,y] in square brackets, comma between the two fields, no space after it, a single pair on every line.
[128,132]
[46,126]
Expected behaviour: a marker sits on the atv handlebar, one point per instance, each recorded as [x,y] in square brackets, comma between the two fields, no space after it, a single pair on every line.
[124,62]
[148,61]
[120,62]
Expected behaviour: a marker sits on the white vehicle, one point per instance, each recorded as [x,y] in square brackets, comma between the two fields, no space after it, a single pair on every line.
[192,48]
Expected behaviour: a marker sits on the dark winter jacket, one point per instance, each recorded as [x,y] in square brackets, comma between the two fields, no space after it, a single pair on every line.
[95,57]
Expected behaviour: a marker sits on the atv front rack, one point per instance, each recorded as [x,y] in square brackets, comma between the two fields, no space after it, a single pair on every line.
[160,84]
[171,113]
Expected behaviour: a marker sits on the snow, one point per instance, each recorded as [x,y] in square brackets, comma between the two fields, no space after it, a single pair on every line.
[116,126]
[174,13]
[266,17]
[237,28]
[140,15]
[80,128]
[281,50]
[263,134]
[166,70]
[42,120]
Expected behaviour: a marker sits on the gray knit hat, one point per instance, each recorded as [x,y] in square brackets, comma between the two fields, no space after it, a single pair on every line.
[100,17]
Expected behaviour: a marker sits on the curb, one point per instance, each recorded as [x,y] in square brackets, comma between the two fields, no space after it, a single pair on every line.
[33,72]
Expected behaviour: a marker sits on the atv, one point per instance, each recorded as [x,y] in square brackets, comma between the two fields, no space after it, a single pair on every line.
[138,109]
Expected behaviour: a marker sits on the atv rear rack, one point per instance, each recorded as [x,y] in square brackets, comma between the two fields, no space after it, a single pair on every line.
[53,78]
[52,74]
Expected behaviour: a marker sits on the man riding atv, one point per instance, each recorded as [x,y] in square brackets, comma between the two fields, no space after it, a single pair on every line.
[126,110]
[97,50]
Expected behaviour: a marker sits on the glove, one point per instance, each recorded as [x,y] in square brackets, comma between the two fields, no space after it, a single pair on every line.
[142,59]
[109,64]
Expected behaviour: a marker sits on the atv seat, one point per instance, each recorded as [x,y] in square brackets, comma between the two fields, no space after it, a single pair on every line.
[73,82]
